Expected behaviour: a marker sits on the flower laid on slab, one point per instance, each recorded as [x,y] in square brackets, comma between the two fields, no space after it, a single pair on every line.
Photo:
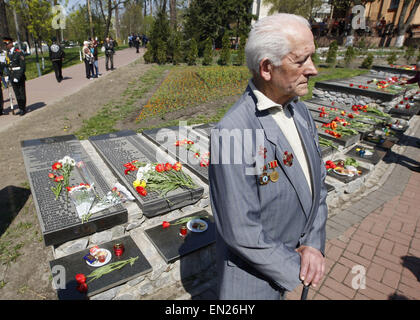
[159,177]
[166,224]
[189,145]
[61,175]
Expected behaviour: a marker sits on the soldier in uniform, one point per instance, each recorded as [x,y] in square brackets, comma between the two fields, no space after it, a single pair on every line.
[57,56]
[15,70]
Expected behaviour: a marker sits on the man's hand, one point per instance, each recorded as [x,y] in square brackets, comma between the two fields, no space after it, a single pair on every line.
[15,80]
[312,265]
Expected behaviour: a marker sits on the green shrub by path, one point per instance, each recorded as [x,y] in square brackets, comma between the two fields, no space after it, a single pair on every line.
[225,54]
[349,56]
[368,61]
[105,120]
[192,55]
[332,53]
[392,58]
[208,52]
[409,53]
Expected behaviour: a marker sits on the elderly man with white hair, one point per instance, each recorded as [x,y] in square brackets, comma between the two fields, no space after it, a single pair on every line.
[266,172]
[89,59]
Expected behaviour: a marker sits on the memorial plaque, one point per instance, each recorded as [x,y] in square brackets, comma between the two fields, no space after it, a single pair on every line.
[172,246]
[315,103]
[122,147]
[363,131]
[343,140]
[344,86]
[404,113]
[371,154]
[165,138]
[73,264]
[394,70]
[58,219]
[205,129]
[345,178]
[380,140]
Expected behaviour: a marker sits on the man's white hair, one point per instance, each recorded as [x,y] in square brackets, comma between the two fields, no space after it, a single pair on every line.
[269,39]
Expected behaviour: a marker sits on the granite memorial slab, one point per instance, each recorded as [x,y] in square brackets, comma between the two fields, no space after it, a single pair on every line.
[122,147]
[58,219]
[172,246]
[73,264]
[403,112]
[165,138]
[394,70]
[345,178]
[205,129]
[344,87]
[367,154]
[366,129]
[343,140]
[316,108]
[380,140]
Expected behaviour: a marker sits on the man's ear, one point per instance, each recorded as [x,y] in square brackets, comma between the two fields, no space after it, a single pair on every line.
[265,69]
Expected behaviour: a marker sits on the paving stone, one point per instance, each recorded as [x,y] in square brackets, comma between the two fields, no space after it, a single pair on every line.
[136,281]
[71,247]
[126,296]
[117,232]
[101,237]
[107,295]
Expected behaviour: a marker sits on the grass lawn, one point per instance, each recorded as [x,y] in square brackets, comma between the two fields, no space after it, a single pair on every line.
[186,88]
[72,57]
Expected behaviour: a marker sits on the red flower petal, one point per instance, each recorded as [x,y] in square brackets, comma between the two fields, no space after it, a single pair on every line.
[165,224]
[80,278]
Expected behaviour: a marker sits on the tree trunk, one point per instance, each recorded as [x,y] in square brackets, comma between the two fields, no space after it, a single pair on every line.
[151,7]
[4,28]
[172,9]
[144,7]
[117,21]
[90,19]
[17,27]
[108,19]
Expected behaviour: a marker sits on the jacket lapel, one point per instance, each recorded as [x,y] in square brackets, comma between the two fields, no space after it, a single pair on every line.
[309,145]
[294,172]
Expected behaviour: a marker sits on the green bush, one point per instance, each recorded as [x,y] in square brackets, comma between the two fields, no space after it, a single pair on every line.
[349,55]
[161,56]
[175,48]
[240,54]
[392,58]
[409,53]
[192,53]
[368,61]
[148,56]
[225,52]
[208,52]
[332,53]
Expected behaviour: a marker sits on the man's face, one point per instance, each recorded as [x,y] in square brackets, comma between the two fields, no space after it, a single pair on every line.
[9,46]
[290,79]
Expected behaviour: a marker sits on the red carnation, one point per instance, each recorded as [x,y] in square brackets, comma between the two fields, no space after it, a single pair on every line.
[141,191]
[160,167]
[166,224]
[168,167]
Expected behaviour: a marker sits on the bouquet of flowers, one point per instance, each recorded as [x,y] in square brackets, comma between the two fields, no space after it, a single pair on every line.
[61,174]
[83,197]
[159,177]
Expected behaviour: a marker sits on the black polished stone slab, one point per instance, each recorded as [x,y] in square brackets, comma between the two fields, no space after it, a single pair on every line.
[347,179]
[380,141]
[314,108]
[393,70]
[322,120]
[205,129]
[329,187]
[122,147]
[165,138]
[374,158]
[75,264]
[315,103]
[404,113]
[343,141]
[58,219]
[333,85]
[172,246]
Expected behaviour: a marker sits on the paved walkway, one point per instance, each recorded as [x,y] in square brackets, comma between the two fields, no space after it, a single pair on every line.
[378,236]
[45,90]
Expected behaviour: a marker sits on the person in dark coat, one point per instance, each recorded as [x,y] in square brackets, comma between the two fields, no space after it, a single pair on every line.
[57,56]
[109,53]
[15,70]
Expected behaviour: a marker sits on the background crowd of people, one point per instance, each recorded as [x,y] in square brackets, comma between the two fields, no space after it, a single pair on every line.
[137,41]
[90,56]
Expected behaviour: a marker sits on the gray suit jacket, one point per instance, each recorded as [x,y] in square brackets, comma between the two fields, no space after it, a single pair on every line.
[260,226]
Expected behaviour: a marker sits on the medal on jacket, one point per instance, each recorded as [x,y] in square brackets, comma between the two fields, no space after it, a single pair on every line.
[288,159]
[274,176]
[264,178]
